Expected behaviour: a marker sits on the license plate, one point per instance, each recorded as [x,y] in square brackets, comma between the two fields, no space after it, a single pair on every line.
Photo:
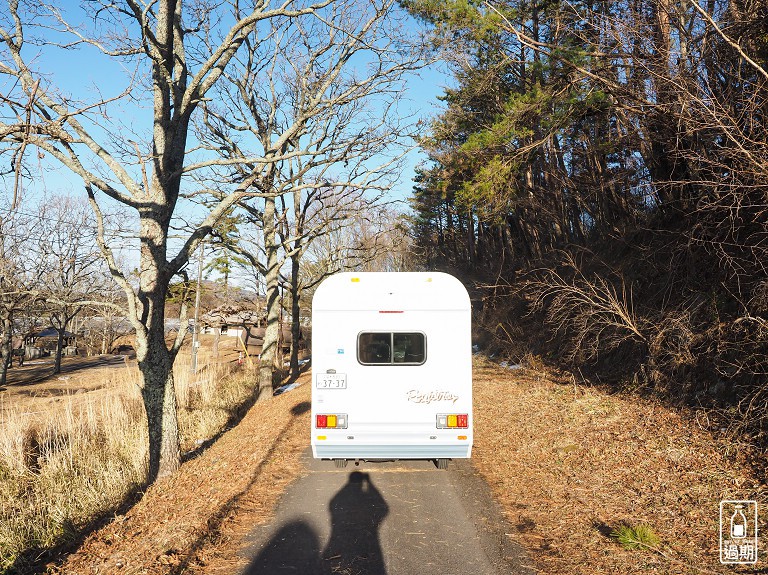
[331,381]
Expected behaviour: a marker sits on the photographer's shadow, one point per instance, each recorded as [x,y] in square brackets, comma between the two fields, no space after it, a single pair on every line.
[357,511]
[293,549]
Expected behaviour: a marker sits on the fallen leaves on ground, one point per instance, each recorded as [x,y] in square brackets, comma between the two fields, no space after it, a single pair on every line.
[171,529]
[567,463]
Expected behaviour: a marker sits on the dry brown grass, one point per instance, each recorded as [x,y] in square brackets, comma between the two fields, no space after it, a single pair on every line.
[189,520]
[567,463]
[78,451]
[570,463]
[58,473]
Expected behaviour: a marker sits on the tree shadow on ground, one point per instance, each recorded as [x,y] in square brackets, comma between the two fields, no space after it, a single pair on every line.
[236,415]
[357,511]
[301,408]
[39,560]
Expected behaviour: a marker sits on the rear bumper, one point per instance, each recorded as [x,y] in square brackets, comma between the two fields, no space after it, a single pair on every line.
[331,451]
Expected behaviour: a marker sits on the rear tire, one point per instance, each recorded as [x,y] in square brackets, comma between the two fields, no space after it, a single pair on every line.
[340,463]
[442,463]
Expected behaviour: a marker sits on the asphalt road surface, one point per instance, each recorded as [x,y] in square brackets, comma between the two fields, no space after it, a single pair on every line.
[396,518]
[37,370]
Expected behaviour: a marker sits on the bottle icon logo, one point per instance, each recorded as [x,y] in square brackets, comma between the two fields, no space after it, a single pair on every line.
[738,523]
[738,532]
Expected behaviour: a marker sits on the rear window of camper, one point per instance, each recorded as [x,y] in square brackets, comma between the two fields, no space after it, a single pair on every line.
[388,348]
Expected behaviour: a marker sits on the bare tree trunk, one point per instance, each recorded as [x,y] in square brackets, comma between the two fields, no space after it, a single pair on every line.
[5,346]
[471,245]
[159,395]
[295,313]
[299,218]
[8,362]
[154,357]
[59,348]
[272,280]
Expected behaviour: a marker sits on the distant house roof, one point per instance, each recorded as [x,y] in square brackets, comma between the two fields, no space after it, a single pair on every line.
[51,332]
[231,315]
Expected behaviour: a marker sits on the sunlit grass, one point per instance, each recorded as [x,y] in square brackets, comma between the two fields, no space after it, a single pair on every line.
[84,456]
[636,537]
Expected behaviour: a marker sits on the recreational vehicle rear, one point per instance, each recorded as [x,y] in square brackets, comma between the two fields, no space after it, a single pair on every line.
[391,368]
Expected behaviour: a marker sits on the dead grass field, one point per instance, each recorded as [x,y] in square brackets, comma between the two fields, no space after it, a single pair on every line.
[42,394]
[569,464]
[73,447]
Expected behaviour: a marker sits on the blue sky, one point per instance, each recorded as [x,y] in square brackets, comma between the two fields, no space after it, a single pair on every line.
[83,72]
[424,91]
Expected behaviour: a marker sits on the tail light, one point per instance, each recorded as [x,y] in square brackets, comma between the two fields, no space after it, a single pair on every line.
[452,421]
[331,421]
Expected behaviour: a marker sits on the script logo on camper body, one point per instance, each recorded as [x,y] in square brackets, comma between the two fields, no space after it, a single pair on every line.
[417,396]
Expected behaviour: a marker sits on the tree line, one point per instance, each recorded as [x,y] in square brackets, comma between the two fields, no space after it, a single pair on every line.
[599,173]
[262,127]
[51,273]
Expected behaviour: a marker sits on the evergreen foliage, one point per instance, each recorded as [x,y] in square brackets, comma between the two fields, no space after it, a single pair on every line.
[615,154]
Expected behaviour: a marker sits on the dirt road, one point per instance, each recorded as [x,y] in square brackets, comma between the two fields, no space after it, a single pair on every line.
[394,517]
[35,371]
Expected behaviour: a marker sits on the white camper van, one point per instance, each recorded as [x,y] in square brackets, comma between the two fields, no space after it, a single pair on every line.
[391,368]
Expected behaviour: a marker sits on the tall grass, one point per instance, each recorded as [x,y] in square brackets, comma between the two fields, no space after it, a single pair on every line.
[81,457]
[210,399]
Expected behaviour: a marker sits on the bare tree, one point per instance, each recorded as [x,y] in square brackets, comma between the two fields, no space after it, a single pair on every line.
[19,276]
[366,234]
[73,270]
[590,313]
[176,53]
[314,112]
